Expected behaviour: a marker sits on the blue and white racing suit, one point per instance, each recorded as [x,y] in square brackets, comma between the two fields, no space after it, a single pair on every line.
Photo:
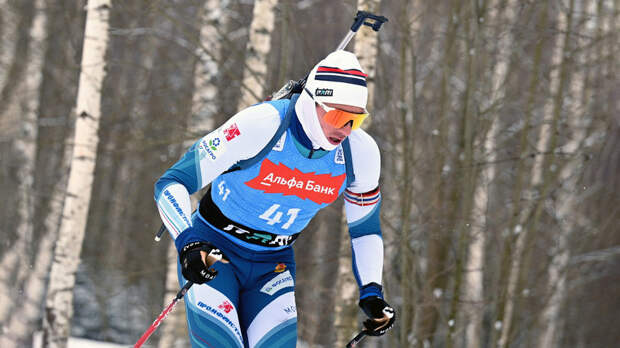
[255,214]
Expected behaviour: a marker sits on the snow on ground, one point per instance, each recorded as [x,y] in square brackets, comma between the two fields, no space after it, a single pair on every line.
[84,343]
[75,342]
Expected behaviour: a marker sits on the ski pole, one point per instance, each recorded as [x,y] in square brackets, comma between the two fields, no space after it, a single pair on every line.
[360,18]
[161,231]
[357,339]
[163,315]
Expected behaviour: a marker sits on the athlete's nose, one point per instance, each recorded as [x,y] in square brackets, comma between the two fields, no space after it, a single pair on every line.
[346,130]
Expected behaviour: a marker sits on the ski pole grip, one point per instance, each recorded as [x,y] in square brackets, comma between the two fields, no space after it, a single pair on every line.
[360,18]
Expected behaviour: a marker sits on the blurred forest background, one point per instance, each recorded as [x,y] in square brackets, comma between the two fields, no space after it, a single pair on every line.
[498,121]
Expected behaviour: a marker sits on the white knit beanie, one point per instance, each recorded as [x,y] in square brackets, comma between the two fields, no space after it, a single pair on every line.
[337,79]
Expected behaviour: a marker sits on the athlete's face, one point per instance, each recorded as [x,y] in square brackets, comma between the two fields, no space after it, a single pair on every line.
[336,135]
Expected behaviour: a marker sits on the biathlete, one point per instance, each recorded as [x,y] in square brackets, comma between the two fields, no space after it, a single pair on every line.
[252,215]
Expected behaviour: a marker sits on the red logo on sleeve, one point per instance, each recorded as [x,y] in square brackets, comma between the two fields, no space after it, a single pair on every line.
[231,132]
[278,178]
[226,307]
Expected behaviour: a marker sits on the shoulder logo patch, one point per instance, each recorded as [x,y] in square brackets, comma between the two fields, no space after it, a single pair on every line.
[231,132]
[211,146]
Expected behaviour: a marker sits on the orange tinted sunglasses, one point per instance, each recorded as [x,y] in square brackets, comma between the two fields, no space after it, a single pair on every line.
[339,118]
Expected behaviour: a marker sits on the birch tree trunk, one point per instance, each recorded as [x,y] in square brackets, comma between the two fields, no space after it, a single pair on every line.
[26,318]
[556,273]
[507,280]
[59,301]
[13,267]
[406,257]
[400,242]
[568,199]
[8,38]
[470,118]
[540,170]
[257,51]
[13,44]
[474,294]
[204,105]
[366,42]
[30,313]
[438,242]
[23,323]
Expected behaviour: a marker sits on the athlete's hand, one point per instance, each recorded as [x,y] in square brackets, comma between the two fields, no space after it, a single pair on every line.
[381,315]
[196,260]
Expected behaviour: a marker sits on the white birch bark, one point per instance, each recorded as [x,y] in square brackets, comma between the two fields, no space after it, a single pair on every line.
[24,110]
[205,90]
[568,199]
[257,51]
[7,40]
[475,261]
[36,284]
[506,39]
[536,179]
[511,292]
[59,301]
[366,41]
[556,273]
[23,323]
